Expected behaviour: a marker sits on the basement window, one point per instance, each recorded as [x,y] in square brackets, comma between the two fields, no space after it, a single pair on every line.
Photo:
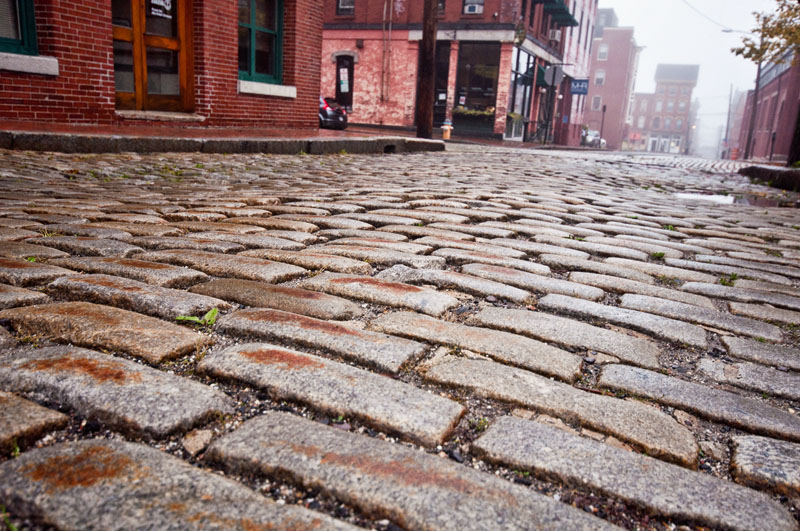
[17,27]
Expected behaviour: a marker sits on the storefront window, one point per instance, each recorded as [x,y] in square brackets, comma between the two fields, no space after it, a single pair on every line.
[476,83]
[522,69]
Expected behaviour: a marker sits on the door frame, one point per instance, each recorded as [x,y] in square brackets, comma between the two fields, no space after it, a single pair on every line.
[140,40]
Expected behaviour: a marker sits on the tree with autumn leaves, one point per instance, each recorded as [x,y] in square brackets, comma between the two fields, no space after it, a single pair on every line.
[776,34]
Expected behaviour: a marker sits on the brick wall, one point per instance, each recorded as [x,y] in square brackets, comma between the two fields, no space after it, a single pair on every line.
[79,34]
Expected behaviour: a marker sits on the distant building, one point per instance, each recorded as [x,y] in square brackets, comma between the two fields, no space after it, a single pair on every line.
[606,18]
[491,57]
[730,147]
[663,122]
[776,113]
[615,58]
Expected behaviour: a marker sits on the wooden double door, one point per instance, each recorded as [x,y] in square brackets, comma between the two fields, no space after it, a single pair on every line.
[152,55]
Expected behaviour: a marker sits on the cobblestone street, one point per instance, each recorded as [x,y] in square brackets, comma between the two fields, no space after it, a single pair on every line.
[481,338]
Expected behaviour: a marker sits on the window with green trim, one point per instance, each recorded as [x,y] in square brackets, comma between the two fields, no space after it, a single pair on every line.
[260,40]
[17,27]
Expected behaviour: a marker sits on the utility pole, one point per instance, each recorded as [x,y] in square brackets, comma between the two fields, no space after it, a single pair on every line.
[427,66]
[603,124]
[727,151]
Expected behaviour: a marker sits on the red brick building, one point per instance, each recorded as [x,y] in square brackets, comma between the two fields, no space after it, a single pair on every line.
[490,61]
[777,112]
[662,122]
[615,58]
[210,63]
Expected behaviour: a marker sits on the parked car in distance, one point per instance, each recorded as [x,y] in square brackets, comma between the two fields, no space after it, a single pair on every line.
[593,139]
[331,114]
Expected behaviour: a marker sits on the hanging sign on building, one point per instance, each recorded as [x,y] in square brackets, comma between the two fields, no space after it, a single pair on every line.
[579,86]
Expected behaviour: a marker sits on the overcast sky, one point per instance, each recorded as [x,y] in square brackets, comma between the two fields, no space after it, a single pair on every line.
[672,32]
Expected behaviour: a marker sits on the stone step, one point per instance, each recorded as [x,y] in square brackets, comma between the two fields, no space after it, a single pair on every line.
[621,285]
[157,243]
[501,346]
[154,273]
[12,296]
[413,489]
[764,353]
[594,249]
[134,295]
[636,423]
[338,389]
[104,327]
[311,260]
[460,256]
[726,270]
[437,242]
[403,247]
[294,300]
[386,353]
[571,333]
[223,265]
[104,484]
[530,247]
[557,261]
[457,281]
[378,291]
[714,404]
[703,316]
[381,257]
[121,394]
[765,312]
[251,241]
[766,463]
[22,422]
[661,327]
[681,272]
[753,376]
[661,488]
[27,250]
[529,281]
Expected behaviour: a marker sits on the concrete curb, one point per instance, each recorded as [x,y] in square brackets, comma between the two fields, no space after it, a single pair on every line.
[78,143]
[774,176]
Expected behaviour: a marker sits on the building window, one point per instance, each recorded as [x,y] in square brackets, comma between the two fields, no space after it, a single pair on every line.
[600,77]
[602,52]
[345,7]
[678,124]
[673,91]
[17,27]
[597,102]
[643,106]
[656,122]
[441,7]
[473,7]
[659,106]
[684,90]
[681,105]
[260,40]
[667,123]
[670,106]
[641,122]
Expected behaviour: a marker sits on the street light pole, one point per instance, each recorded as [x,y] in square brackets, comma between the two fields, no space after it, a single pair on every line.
[754,109]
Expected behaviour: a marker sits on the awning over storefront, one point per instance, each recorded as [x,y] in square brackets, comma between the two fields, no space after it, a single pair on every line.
[540,82]
[559,12]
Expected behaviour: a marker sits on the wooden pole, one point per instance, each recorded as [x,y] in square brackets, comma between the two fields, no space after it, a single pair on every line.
[427,68]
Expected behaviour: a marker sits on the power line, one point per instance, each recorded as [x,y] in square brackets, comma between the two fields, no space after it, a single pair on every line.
[704,15]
